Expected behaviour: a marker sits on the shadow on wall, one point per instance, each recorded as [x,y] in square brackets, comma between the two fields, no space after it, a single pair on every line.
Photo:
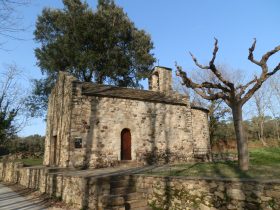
[93,122]
[158,122]
[98,154]
[217,193]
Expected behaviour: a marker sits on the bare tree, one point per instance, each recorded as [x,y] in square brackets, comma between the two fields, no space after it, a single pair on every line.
[261,103]
[274,102]
[10,19]
[234,95]
[12,109]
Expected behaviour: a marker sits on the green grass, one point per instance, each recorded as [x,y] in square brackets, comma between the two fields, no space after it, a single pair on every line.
[29,161]
[264,164]
[32,162]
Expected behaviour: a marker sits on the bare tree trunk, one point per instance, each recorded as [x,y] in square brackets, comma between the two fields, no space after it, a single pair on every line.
[277,129]
[262,138]
[242,145]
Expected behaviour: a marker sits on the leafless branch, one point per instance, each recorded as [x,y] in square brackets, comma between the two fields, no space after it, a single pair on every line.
[242,88]
[10,18]
[277,68]
[202,88]
[251,55]
[212,66]
[198,64]
[265,74]
[216,48]
[267,55]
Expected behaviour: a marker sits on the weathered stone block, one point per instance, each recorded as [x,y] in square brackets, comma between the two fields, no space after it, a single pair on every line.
[236,194]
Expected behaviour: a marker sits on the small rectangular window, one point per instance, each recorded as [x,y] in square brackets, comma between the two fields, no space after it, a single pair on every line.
[78,142]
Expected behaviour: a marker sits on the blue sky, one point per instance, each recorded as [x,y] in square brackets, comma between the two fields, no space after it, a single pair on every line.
[176,27]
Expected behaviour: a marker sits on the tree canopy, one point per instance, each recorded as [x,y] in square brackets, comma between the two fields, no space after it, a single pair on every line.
[102,45]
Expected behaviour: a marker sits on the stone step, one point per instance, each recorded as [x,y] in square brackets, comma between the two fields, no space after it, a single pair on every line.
[122,190]
[131,205]
[132,196]
[129,164]
[122,183]
[113,200]
[145,208]
[133,162]
[124,177]
[115,208]
[116,200]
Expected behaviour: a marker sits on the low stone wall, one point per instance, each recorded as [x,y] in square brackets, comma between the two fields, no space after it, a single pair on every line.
[209,194]
[160,192]
[69,189]
[9,171]
[74,190]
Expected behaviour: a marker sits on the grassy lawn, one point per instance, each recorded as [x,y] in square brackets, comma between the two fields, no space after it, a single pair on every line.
[29,161]
[32,162]
[264,164]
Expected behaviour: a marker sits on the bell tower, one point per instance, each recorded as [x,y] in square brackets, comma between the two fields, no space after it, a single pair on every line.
[161,79]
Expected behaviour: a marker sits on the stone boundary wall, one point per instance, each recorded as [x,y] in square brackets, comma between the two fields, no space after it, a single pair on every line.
[209,194]
[77,191]
[171,193]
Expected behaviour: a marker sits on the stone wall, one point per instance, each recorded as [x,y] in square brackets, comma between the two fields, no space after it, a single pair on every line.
[59,121]
[160,192]
[70,189]
[209,194]
[159,132]
[161,80]
[9,171]
[200,128]
[79,192]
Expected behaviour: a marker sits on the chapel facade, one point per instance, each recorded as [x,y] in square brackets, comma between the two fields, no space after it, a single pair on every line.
[93,126]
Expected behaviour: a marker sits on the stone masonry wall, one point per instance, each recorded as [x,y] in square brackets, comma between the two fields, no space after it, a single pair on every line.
[70,189]
[58,122]
[175,193]
[200,128]
[79,192]
[159,132]
[170,193]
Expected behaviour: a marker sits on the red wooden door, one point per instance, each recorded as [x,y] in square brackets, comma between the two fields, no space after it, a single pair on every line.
[125,145]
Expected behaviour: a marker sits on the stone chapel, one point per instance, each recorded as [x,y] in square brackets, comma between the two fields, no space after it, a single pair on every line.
[94,126]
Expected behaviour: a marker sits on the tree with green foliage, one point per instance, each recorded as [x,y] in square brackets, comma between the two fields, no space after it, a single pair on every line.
[30,144]
[101,46]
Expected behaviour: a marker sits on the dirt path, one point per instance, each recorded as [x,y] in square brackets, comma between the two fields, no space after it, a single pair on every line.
[10,200]
[15,197]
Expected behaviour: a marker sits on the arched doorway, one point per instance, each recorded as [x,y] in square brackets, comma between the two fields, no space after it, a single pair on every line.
[125,144]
